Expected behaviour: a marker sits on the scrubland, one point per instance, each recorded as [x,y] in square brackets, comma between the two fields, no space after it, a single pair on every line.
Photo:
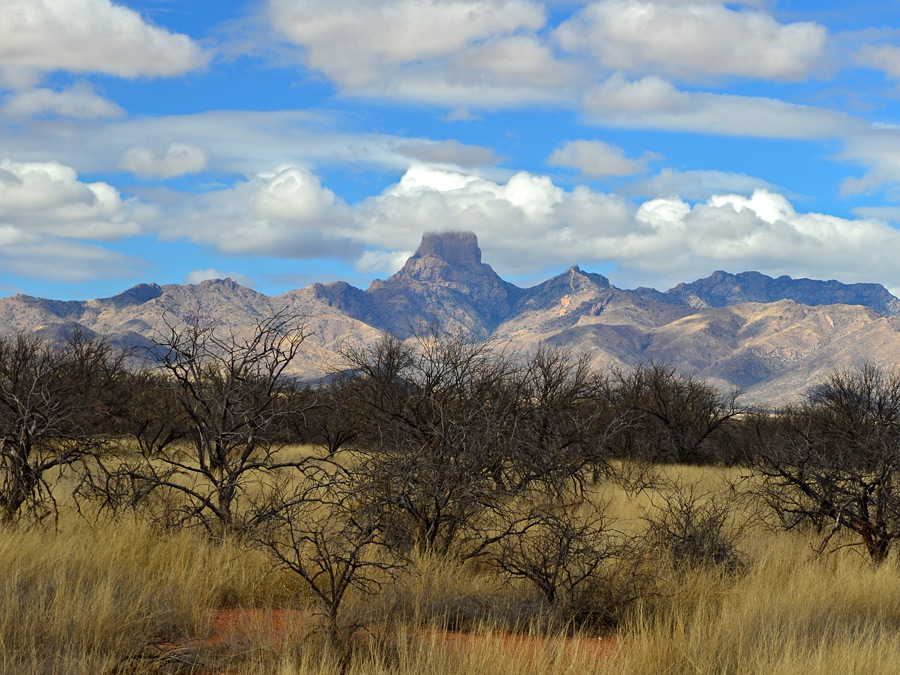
[440,506]
[97,595]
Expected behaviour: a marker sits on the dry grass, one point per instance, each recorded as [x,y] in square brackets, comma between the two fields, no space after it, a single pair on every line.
[90,598]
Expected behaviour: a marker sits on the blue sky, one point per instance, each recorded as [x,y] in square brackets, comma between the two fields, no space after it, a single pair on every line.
[282,142]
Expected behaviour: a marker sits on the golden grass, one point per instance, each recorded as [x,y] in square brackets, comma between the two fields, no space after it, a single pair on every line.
[92,596]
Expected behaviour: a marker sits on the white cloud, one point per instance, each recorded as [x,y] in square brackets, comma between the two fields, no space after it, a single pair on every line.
[176,160]
[53,259]
[528,225]
[239,142]
[517,61]
[481,54]
[461,115]
[597,158]
[90,36]
[449,152]
[654,103]
[880,57]
[697,185]
[381,262]
[197,276]
[525,224]
[78,102]
[355,41]
[877,149]
[690,40]
[285,213]
[47,197]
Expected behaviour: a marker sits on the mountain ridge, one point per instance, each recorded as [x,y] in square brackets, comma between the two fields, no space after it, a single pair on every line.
[770,336]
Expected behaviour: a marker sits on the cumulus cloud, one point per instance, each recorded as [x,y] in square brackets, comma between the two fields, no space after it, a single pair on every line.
[286,213]
[45,212]
[525,224]
[47,197]
[197,276]
[176,160]
[690,40]
[529,225]
[90,36]
[79,102]
[597,159]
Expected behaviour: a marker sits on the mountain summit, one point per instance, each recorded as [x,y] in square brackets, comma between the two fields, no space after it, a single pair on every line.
[459,249]
[444,282]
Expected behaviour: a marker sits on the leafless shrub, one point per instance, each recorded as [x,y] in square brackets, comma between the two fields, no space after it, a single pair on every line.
[150,413]
[833,460]
[673,417]
[571,562]
[451,430]
[697,527]
[318,532]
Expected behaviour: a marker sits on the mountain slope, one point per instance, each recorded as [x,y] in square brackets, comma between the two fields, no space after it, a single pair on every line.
[772,338]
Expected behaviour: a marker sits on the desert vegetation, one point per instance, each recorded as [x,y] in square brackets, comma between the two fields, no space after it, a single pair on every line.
[437,505]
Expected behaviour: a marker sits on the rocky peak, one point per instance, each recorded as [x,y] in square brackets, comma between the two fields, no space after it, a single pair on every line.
[444,281]
[574,288]
[459,249]
[446,258]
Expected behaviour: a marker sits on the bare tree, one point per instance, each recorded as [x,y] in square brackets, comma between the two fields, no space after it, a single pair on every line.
[562,424]
[151,413]
[431,435]
[230,388]
[54,406]
[320,534]
[321,418]
[833,460]
[673,417]
[450,430]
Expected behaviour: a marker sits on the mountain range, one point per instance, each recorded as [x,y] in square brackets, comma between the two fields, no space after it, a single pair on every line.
[771,337]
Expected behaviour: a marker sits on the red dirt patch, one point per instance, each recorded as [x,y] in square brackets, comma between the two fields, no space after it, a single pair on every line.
[233,630]
[244,624]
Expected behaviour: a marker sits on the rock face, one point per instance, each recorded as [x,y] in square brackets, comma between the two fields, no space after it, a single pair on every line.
[444,282]
[773,338]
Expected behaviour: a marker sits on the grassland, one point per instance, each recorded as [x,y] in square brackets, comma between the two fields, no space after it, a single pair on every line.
[101,596]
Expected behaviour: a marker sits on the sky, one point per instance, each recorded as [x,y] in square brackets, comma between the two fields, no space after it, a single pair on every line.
[286,142]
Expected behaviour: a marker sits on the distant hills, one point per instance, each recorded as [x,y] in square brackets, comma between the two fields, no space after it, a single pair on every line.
[773,338]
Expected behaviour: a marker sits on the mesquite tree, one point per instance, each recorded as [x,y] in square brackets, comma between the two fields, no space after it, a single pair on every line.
[834,460]
[55,403]
[672,417]
[231,388]
[450,431]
